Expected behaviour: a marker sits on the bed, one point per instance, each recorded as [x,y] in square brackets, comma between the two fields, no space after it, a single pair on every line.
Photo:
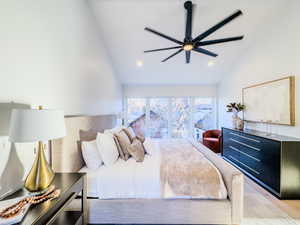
[138,180]
[145,205]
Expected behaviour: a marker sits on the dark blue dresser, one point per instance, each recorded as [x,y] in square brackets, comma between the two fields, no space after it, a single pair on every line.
[272,161]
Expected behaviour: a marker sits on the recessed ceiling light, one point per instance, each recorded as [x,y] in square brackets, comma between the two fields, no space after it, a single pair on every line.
[139,63]
[210,63]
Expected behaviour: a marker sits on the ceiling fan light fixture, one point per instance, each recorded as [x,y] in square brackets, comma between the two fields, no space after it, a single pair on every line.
[190,44]
[188,47]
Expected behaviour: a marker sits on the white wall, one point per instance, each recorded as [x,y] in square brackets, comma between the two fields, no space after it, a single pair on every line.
[52,55]
[273,53]
[169,90]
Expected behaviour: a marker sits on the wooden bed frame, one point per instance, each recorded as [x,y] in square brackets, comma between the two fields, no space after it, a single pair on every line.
[67,157]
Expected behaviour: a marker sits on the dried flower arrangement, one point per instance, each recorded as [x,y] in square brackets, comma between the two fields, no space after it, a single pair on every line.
[235,107]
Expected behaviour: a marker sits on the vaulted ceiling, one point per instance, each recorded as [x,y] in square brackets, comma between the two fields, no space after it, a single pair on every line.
[122,23]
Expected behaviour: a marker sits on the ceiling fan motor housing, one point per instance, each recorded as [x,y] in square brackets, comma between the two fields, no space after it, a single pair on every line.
[188,5]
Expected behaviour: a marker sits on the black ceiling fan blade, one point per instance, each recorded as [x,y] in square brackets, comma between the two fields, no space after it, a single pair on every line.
[206,52]
[217,41]
[218,26]
[187,56]
[188,5]
[162,49]
[175,53]
[163,35]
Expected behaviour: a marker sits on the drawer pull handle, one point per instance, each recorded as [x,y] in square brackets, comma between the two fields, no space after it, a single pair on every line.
[245,165]
[241,143]
[251,139]
[237,150]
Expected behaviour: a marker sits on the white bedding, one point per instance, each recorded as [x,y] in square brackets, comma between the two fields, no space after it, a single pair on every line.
[128,179]
[91,180]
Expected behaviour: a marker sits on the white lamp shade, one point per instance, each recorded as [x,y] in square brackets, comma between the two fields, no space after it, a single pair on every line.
[30,125]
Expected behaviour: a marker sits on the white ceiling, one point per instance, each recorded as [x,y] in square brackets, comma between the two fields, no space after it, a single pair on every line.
[122,22]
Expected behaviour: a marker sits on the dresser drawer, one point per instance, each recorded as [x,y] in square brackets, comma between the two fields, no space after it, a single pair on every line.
[260,159]
[229,150]
[259,148]
[272,161]
[245,139]
[265,155]
[237,155]
[270,177]
[246,151]
[254,170]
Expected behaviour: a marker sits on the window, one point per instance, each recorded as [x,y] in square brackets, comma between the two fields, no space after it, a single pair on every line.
[136,108]
[180,115]
[158,123]
[170,117]
[203,116]
[136,114]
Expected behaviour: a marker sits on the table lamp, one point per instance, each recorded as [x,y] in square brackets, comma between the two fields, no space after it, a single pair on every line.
[37,125]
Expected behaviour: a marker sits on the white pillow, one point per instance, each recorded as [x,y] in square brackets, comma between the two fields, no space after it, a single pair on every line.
[108,148]
[114,130]
[91,155]
[150,146]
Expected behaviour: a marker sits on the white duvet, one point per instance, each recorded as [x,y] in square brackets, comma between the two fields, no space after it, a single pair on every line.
[130,179]
[126,179]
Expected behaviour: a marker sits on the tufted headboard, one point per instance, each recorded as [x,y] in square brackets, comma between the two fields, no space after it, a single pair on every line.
[65,153]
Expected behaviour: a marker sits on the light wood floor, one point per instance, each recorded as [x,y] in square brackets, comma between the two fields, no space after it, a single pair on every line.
[262,208]
[260,204]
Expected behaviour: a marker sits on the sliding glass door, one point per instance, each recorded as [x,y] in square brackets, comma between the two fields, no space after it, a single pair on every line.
[136,114]
[203,116]
[180,117]
[171,117]
[158,122]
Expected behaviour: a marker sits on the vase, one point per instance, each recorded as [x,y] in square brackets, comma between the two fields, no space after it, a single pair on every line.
[234,120]
[239,124]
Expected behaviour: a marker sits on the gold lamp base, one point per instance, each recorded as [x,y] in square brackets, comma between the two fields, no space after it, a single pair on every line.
[41,175]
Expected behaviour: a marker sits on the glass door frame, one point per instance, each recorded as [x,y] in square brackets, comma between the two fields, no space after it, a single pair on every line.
[191,102]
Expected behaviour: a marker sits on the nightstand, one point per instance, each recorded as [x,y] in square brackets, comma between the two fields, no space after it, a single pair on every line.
[54,212]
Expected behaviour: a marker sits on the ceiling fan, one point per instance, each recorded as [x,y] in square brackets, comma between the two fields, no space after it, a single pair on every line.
[195,44]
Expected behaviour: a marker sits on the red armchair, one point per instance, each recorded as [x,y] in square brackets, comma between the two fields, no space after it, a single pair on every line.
[212,140]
